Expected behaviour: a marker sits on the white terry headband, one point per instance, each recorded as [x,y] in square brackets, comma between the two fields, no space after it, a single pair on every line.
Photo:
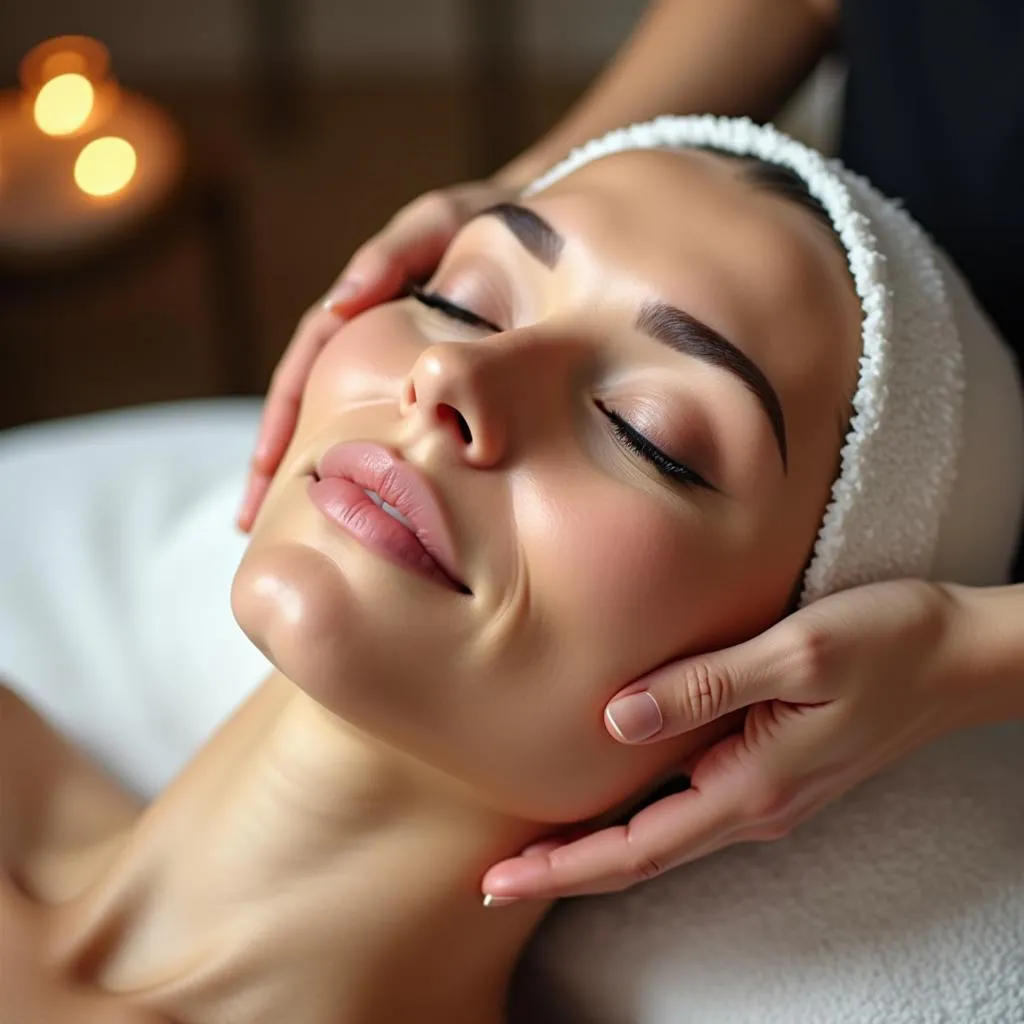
[905,445]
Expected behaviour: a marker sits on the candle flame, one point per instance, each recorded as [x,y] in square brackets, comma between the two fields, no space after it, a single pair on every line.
[64,104]
[105,166]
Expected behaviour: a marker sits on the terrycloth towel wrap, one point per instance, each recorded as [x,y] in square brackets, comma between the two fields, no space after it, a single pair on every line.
[937,386]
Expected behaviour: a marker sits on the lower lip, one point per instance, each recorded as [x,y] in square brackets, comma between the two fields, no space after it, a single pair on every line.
[347,505]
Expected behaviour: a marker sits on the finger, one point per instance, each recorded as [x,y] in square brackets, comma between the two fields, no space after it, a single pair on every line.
[543,847]
[695,691]
[255,491]
[553,841]
[410,247]
[284,396]
[613,882]
[281,409]
[674,830]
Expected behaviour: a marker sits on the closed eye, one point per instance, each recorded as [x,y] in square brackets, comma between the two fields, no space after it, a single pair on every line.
[632,439]
[451,310]
[627,435]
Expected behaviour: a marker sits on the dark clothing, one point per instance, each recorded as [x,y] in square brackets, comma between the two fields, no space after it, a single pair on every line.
[934,116]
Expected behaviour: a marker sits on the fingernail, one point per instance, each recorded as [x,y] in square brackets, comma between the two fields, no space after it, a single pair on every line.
[344,291]
[635,717]
[498,901]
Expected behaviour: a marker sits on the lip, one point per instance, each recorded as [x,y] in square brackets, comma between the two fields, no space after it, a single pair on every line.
[342,475]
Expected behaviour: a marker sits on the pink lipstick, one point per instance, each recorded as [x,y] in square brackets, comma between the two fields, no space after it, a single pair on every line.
[389,507]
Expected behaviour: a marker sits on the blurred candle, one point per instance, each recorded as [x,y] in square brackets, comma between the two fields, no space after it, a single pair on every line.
[82,158]
[67,85]
[64,104]
[105,166]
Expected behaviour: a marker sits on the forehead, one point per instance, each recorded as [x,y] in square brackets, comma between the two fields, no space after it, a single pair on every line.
[690,229]
[670,216]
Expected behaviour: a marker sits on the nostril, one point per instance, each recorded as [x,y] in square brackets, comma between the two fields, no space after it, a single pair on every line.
[449,412]
[467,434]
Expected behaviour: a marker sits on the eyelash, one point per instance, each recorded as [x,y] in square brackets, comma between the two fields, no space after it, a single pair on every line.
[637,443]
[440,303]
[627,435]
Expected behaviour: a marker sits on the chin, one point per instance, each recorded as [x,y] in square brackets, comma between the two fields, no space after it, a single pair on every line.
[292,602]
[362,638]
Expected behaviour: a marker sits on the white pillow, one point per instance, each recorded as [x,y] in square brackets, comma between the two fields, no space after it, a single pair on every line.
[117,551]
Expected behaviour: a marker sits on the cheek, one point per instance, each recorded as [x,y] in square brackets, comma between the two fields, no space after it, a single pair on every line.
[365,360]
[624,578]
[623,582]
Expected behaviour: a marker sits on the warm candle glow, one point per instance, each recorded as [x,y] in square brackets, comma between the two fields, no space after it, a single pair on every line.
[64,104]
[105,166]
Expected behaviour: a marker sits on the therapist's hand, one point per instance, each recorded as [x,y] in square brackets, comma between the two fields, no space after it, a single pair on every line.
[409,247]
[834,693]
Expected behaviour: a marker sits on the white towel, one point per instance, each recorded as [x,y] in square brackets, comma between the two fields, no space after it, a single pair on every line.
[931,481]
[903,903]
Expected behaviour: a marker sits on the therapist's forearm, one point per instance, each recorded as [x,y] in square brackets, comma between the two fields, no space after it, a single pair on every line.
[992,643]
[693,56]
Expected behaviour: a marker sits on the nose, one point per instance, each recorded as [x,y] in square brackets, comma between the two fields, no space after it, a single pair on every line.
[461,389]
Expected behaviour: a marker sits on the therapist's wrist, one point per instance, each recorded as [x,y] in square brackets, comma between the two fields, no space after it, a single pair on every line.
[987,651]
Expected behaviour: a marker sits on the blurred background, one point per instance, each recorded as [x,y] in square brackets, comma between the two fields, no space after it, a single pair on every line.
[305,124]
[268,138]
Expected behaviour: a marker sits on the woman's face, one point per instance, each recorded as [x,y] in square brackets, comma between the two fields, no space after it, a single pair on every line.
[630,422]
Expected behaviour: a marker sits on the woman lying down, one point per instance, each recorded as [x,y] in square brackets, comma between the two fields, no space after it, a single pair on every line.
[697,377]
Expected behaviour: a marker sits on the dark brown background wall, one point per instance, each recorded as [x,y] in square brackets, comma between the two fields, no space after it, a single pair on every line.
[324,117]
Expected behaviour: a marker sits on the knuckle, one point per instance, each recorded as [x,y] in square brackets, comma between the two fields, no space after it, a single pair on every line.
[703,695]
[929,607]
[643,868]
[761,723]
[641,864]
[813,652]
[439,206]
[768,802]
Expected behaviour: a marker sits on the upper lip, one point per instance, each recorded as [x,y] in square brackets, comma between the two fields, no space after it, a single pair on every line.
[376,468]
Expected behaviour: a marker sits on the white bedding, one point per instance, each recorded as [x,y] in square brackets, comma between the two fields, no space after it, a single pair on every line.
[903,904]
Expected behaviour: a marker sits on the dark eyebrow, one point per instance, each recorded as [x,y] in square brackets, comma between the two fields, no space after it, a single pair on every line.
[535,234]
[688,335]
[664,323]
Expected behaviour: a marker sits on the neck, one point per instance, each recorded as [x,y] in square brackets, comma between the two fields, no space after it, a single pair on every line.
[299,871]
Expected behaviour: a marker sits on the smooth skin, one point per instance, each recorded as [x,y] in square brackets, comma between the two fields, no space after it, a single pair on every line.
[331,837]
[814,729]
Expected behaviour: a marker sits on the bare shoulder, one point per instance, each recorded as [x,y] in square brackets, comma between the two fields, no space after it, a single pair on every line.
[57,807]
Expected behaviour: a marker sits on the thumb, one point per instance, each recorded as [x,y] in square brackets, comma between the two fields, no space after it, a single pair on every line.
[692,692]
